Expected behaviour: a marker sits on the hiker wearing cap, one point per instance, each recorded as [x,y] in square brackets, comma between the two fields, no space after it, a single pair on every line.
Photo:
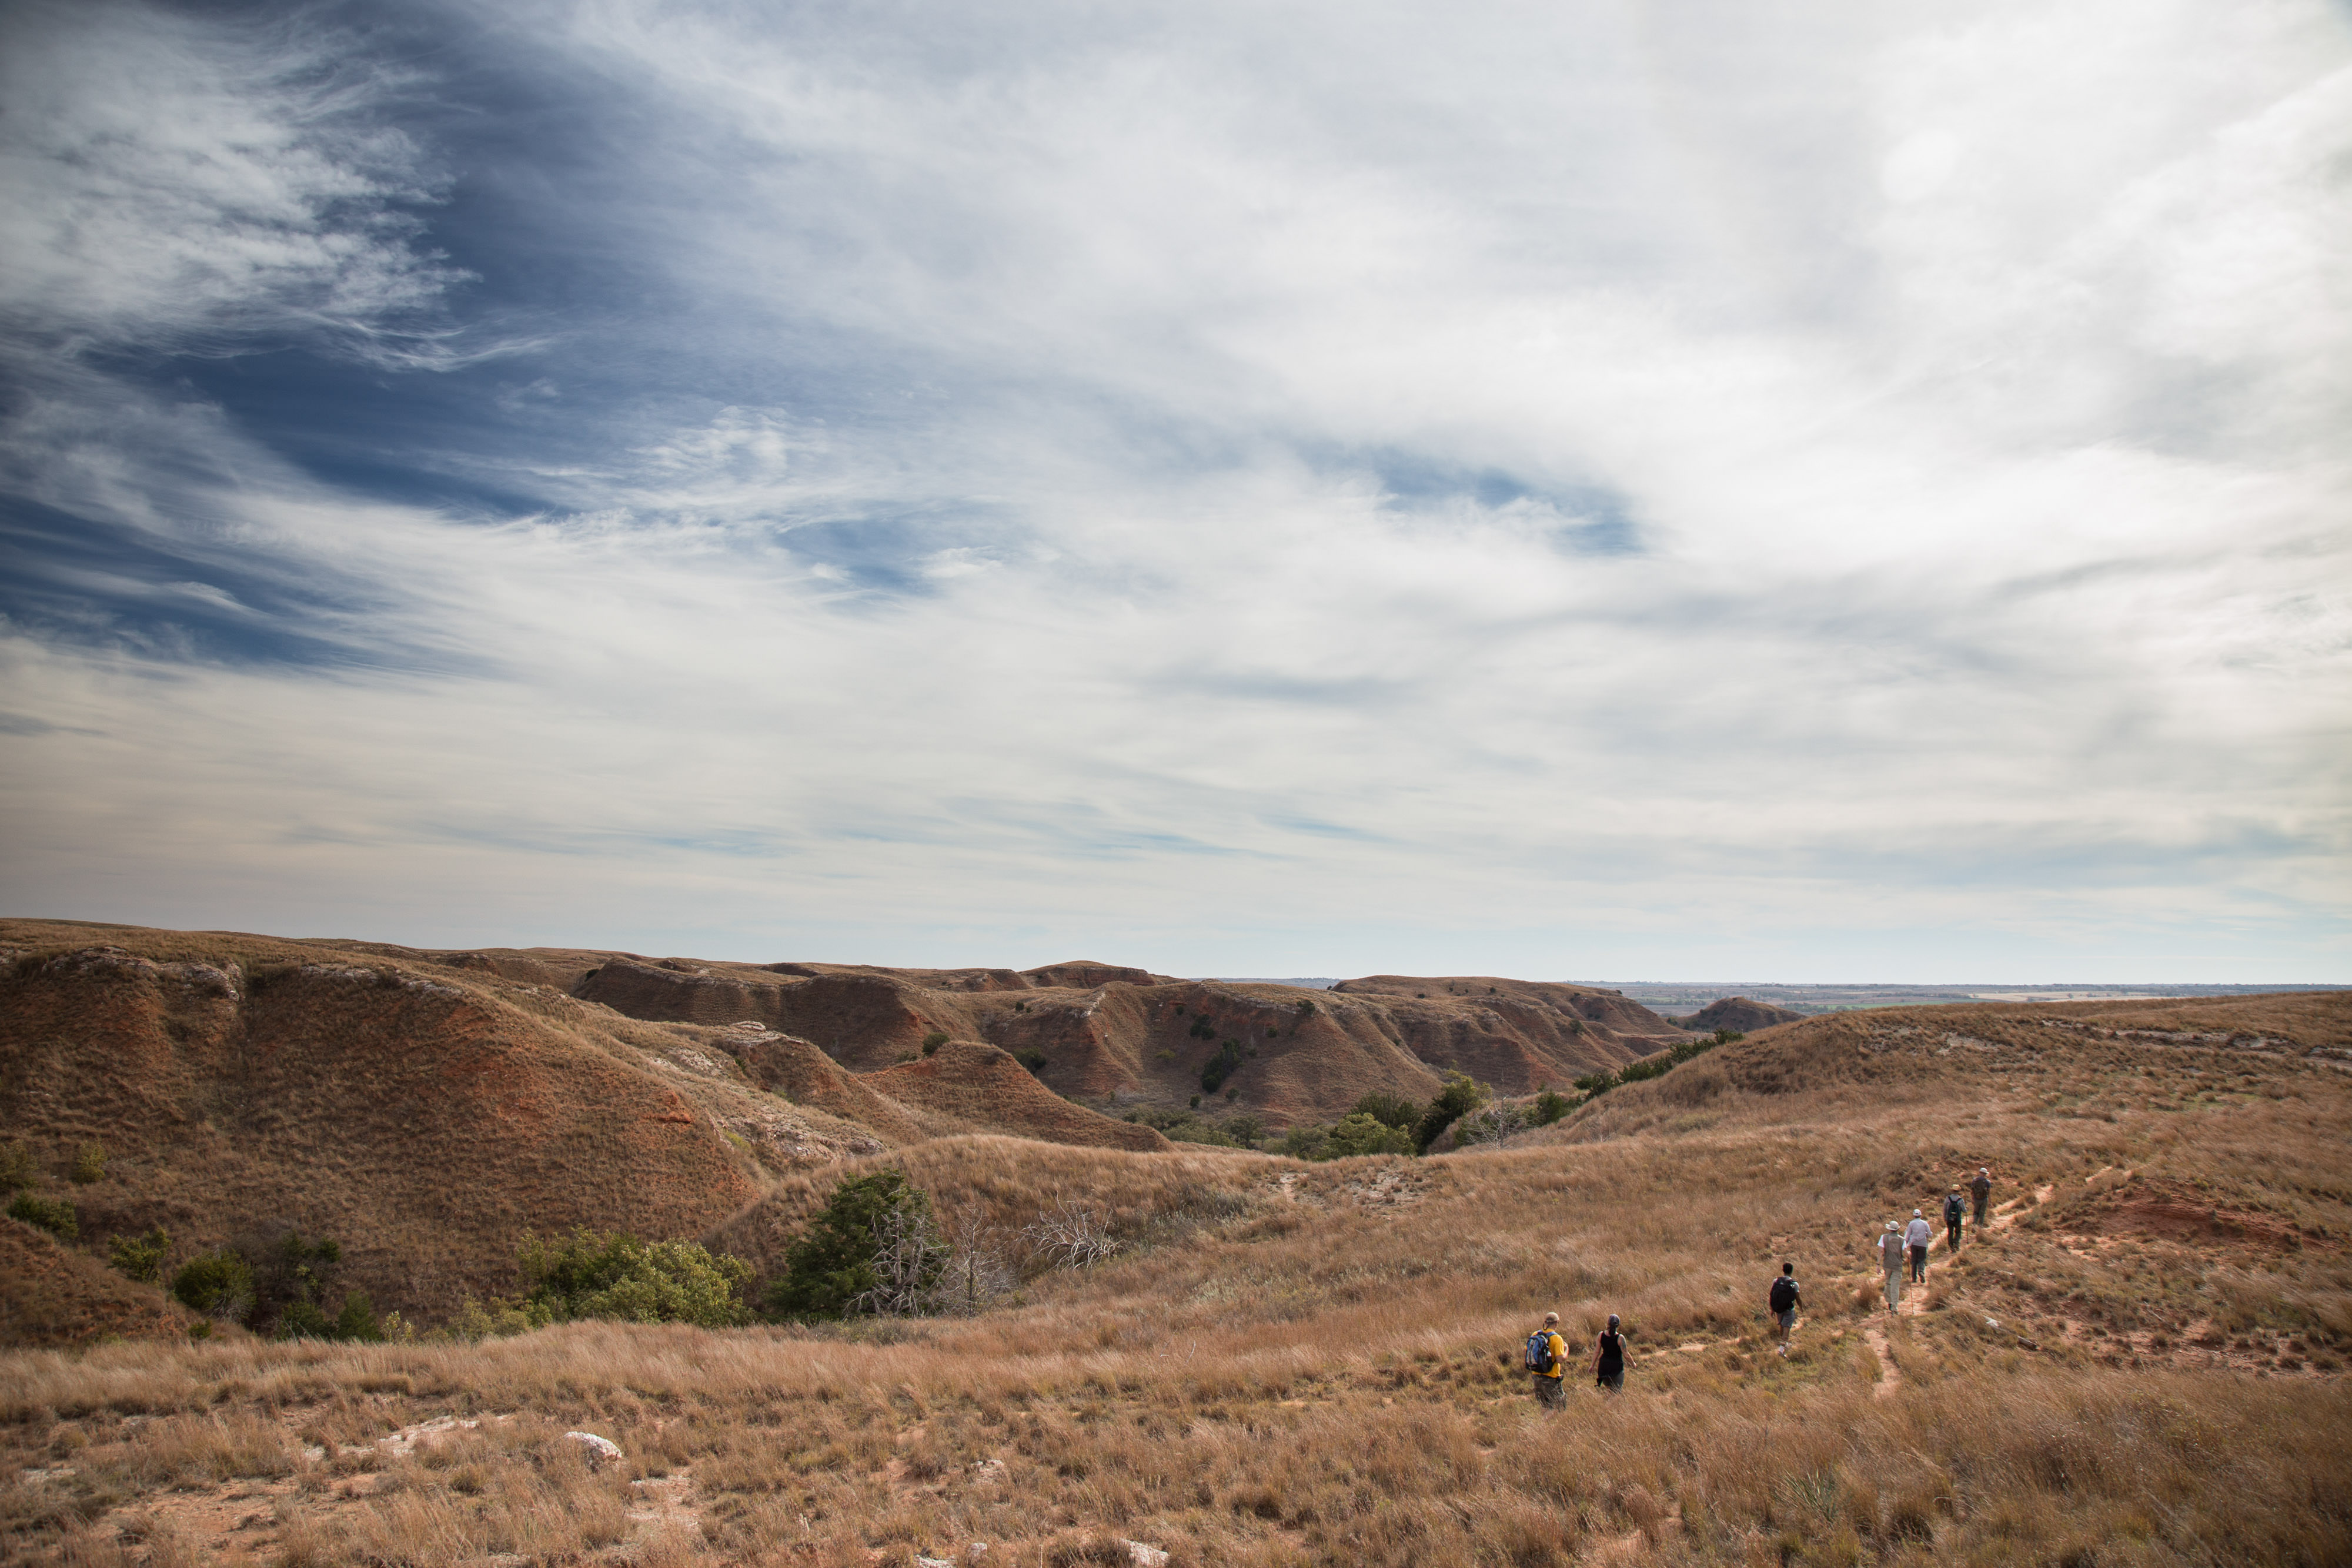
[1546,1361]
[1954,1211]
[1917,1234]
[1890,1257]
[1609,1358]
[1982,1187]
[1784,1301]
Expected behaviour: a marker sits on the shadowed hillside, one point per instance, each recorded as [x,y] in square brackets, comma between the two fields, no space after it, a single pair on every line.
[1104,1032]
[422,1114]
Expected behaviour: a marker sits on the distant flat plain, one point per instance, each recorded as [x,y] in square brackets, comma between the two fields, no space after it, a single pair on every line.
[1678,997]
[1682,997]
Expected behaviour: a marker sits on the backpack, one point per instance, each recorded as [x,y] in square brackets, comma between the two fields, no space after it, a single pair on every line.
[1784,1293]
[1539,1356]
[1953,1208]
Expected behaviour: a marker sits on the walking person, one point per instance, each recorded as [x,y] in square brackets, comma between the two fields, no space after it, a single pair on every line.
[1954,1211]
[1917,1236]
[1609,1359]
[1785,1298]
[1982,1188]
[1547,1361]
[1890,1257]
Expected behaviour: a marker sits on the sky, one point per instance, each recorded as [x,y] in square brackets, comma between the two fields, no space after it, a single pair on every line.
[1788,491]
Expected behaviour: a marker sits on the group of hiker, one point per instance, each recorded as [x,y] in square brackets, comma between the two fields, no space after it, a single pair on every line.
[1897,1246]
[1546,1358]
[1900,1244]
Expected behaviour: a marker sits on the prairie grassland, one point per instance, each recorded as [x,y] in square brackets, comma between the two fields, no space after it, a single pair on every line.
[1306,1363]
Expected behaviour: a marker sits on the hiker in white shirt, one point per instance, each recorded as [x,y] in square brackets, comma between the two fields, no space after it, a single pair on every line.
[1916,1236]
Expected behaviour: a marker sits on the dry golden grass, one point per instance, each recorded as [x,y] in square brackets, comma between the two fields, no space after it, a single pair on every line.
[1305,1364]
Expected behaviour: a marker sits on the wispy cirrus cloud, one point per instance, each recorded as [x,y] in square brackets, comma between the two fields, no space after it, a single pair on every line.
[178,185]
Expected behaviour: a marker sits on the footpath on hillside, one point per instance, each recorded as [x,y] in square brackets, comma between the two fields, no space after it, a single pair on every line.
[1915,1301]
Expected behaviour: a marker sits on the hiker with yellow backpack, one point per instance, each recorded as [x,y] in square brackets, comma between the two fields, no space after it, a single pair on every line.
[1547,1361]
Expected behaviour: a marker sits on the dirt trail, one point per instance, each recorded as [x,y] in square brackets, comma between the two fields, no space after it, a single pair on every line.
[1890,1377]
[1914,1298]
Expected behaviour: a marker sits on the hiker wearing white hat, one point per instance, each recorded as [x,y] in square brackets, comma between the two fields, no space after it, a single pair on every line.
[1890,1257]
[1915,1235]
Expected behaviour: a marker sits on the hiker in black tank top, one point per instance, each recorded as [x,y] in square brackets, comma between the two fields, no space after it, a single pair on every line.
[1609,1357]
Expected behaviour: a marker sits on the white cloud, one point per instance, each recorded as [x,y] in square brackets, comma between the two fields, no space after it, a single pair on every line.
[171,183]
[1967,387]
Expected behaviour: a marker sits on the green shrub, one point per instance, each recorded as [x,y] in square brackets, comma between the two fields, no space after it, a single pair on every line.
[1460,1096]
[16,1167]
[1594,1085]
[1306,1143]
[357,1321]
[218,1283]
[1549,1107]
[624,1279]
[874,1249]
[1241,1131]
[1360,1132]
[89,1162]
[1389,1109]
[55,1216]
[290,1281]
[303,1320]
[933,1040]
[141,1257]
[476,1322]
[1030,1057]
[1221,1066]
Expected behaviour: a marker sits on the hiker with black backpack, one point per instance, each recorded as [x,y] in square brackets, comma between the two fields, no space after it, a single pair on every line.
[1609,1359]
[1546,1363]
[1955,1209]
[1786,1299]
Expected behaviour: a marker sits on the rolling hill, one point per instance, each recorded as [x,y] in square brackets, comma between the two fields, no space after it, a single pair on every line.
[2142,1358]
[427,1109]
[427,1114]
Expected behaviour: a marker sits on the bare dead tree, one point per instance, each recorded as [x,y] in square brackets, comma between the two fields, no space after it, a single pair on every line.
[1070,1237]
[978,1274]
[1491,1124]
[907,1261]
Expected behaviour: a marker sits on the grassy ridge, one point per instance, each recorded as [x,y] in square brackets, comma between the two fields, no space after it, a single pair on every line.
[1295,1363]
